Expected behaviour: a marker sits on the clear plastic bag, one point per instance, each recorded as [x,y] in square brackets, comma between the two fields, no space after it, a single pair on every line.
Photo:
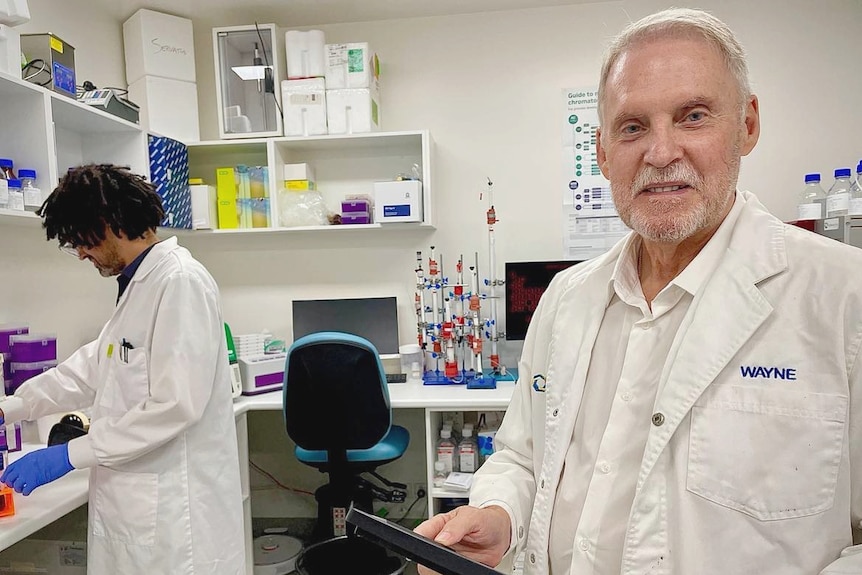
[302,209]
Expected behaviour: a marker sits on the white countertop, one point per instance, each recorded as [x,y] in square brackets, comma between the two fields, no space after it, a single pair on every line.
[52,501]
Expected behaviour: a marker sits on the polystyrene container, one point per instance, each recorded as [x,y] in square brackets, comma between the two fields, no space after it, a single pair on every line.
[7,330]
[33,347]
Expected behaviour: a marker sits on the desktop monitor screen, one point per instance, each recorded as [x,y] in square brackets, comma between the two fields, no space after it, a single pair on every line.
[375,319]
[525,284]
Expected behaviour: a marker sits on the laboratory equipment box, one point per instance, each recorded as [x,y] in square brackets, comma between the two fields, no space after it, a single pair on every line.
[262,373]
[398,201]
[158,44]
[50,62]
[169,172]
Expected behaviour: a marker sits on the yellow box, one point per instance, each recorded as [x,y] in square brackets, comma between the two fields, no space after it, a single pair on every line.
[299,185]
[226,184]
[228,217]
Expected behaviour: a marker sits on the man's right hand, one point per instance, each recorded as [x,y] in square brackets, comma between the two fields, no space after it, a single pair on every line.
[483,534]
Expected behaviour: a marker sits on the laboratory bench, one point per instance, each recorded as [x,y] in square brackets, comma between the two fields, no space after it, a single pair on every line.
[53,501]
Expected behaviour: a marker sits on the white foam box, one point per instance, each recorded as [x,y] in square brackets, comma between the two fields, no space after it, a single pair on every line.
[352,65]
[305,54]
[399,201]
[168,107]
[298,172]
[204,207]
[304,105]
[353,110]
[158,44]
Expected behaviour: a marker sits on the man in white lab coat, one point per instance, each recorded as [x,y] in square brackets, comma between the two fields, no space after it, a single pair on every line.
[162,449]
[689,402]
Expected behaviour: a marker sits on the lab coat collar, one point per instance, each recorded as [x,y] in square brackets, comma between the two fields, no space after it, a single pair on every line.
[158,251]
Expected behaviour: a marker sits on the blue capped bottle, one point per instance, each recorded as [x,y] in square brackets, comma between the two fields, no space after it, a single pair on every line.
[812,200]
[838,196]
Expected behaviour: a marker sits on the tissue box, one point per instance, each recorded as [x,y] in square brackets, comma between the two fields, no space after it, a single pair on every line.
[351,65]
[262,373]
[398,201]
[304,105]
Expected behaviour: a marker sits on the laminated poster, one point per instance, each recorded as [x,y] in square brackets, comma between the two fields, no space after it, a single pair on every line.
[590,222]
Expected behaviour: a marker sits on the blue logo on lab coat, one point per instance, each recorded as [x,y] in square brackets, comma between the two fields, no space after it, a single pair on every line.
[539,383]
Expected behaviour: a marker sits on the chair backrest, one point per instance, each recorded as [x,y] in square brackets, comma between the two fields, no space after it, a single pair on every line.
[335,393]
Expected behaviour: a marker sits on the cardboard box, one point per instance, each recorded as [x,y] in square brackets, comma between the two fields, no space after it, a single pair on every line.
[158,44]
[399,201]
[304,104]
[306,54]
[226,196]
[204,206]
[298,172]
[168,107]
[169,173]
[352,65]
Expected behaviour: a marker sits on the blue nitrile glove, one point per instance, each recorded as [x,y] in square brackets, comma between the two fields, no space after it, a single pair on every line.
[38,468]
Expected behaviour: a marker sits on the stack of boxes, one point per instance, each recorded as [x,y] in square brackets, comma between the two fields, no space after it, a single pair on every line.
[352,88]
[30,355]
[357,210]
[331,88]
[160,72]
[242,197]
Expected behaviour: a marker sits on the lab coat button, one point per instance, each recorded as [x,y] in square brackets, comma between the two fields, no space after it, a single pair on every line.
[533,558]
[521,532]
[658,419]
[556,412]
[543,484]
[626,396]
[583,544]
[605,467]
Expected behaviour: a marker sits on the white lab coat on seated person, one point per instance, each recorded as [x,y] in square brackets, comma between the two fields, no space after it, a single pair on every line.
[745,472]
[164,486]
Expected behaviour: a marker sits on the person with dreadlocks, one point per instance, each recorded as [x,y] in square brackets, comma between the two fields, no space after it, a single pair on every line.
[162,451]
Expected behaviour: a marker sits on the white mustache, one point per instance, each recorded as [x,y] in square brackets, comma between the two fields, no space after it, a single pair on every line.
[650,177]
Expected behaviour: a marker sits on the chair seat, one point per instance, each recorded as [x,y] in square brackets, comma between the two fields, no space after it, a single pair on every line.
[391,447]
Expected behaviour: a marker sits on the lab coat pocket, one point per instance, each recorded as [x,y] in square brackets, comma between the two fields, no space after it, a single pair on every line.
[127,382]
[770,453]
[125,506]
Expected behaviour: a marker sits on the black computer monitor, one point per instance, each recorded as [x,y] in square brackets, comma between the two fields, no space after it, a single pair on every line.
[525,284]
[375,319]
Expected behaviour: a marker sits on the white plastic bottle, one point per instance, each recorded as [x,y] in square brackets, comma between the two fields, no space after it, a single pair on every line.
[32,194]
[446,451]
[856,193]
[812,199]
[468,452]
[838,196]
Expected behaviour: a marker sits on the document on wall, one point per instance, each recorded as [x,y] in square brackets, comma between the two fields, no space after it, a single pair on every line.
[591,225]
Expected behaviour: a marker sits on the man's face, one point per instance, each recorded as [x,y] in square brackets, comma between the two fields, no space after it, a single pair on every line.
[105,256]
[672,136]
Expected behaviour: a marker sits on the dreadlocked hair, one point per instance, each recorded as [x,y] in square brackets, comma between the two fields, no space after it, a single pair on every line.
[92,198]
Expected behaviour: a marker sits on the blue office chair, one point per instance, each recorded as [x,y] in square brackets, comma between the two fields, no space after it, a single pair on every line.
[336,410]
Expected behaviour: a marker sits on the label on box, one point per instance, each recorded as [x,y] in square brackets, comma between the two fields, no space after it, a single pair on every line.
[355,61]
[395,211]
[306,99]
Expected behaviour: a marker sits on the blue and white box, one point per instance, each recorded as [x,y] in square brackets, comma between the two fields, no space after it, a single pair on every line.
[169,172]
[398,201]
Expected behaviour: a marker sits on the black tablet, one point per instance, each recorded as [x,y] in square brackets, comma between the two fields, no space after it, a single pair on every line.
[414,546]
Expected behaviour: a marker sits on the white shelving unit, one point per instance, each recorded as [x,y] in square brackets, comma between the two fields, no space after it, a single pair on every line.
[343,165]
[49,133]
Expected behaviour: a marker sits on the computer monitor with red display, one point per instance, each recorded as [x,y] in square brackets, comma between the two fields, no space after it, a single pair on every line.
[525,284]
